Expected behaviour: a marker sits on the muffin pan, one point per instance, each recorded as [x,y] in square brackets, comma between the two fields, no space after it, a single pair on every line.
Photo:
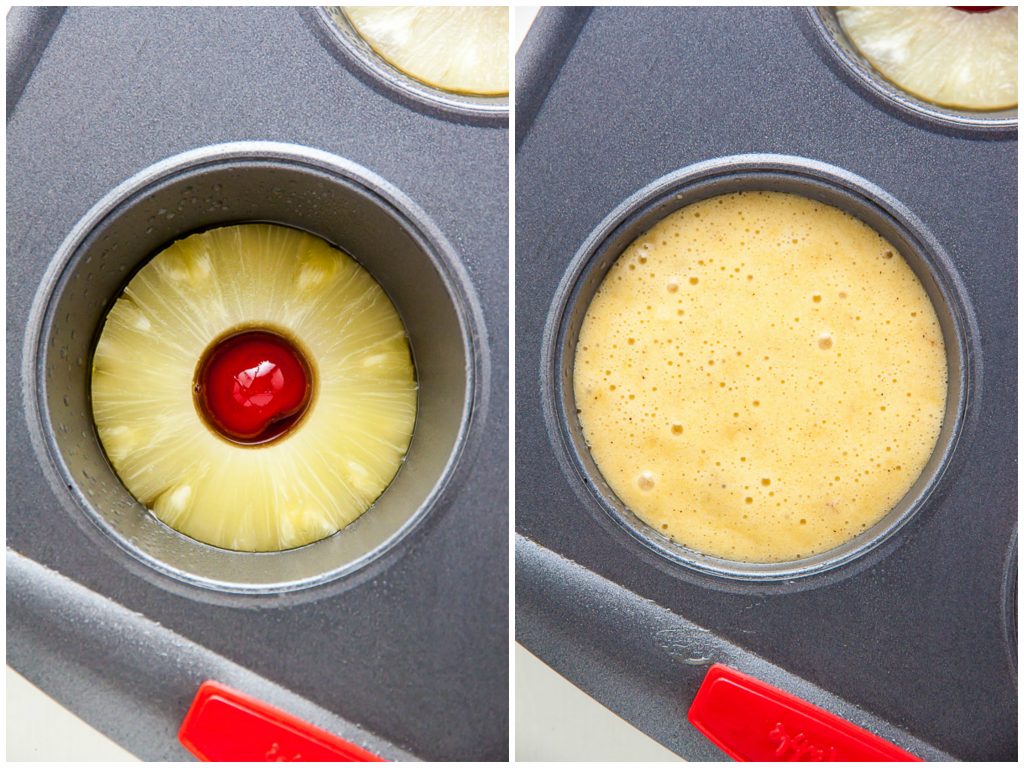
[635,112]
[191,119]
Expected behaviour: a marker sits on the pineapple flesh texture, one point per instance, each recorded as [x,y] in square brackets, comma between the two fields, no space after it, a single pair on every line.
[459,49]
[319,476]
[939,54]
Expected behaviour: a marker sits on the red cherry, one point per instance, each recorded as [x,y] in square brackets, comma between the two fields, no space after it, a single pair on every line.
[253,386]
[976,8]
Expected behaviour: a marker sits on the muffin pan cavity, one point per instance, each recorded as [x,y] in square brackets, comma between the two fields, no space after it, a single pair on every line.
[809,179]
[356,53]
[850,62]
[346,205]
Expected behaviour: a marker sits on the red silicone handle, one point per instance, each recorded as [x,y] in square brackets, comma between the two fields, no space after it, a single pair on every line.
[752,721]
[223,725]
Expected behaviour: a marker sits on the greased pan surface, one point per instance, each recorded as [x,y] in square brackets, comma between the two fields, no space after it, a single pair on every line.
[914,635]
[408,647]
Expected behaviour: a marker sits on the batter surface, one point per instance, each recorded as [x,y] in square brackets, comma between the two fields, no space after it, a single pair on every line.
[760,377]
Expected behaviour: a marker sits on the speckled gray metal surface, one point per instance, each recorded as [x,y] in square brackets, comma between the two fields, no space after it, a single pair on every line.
[411,650]
[151,671]
[915,636]
[664,649]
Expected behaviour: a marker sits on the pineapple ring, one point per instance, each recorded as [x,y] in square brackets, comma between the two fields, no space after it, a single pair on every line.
[942,55]
[320,475]
[454,48]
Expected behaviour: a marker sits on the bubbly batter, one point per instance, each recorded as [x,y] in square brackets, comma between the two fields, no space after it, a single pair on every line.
[760,377]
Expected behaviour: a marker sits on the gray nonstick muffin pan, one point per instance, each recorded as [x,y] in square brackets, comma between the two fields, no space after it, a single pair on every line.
[130,128]
[626,114]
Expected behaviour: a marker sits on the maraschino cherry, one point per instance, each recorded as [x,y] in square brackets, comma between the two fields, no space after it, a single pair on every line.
[253,386]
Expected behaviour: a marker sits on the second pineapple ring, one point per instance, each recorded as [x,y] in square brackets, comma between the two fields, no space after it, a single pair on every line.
[344,41]
[226,185]
[844,56]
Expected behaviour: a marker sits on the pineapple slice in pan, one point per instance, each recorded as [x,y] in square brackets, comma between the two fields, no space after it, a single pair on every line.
[960,58]
[244,482]
[463,49]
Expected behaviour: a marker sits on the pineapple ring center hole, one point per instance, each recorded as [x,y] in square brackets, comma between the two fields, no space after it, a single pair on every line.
[252,387]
